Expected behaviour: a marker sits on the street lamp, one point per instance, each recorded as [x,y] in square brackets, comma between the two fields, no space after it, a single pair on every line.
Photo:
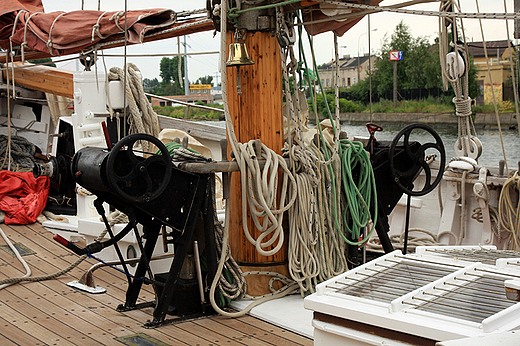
[358,71]
[370,67]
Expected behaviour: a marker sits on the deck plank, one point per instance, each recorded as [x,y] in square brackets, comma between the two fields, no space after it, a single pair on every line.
[59,323]
[272,329]
[42,333]
[233,333]
[266,331]
[11,332]
[52,313]
[211,336]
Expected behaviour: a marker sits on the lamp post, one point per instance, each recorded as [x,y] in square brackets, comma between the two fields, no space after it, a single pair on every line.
[359,37]
[340,67]
[370,68]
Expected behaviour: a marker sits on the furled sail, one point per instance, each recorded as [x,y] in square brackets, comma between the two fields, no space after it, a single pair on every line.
[23,23]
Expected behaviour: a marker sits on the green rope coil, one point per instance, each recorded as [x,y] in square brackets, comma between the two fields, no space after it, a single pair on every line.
[360,194]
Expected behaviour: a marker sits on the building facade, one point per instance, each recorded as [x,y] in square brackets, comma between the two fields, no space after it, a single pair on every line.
[497,80]
[351,71]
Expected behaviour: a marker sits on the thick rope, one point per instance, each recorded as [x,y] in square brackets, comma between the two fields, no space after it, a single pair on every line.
[240,159]
[492,90]
[142,117]
[513,74]
[113,219]
[49,42]
[439,14]
[21,156]
[509,213]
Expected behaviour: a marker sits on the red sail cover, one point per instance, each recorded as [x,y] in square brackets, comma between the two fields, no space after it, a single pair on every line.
[22,197]
[61,33]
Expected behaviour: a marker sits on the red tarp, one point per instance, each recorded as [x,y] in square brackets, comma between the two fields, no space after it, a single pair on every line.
[22,197]
[61,33]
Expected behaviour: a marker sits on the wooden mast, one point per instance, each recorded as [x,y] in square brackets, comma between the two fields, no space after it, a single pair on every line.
[256,114]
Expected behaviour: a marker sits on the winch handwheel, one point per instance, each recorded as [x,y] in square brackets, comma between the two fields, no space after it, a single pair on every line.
[138,178]
[418,158]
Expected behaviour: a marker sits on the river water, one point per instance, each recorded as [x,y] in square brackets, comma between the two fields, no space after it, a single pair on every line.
[491,143]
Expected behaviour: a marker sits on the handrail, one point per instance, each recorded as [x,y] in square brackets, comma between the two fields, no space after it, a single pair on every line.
[187,104]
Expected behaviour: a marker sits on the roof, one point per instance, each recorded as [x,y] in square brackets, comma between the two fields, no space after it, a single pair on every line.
[476,49]
[346,63]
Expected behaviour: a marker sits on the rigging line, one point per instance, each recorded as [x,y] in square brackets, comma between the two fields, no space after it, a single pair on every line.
[484,45]
[40,63]
[341,17]
[125,75]
[158,54]
[258,8]
[513,77]
[476,15]
[161,32]
[8,152]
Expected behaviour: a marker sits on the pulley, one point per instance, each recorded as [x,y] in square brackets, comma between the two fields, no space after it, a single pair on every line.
[455,65]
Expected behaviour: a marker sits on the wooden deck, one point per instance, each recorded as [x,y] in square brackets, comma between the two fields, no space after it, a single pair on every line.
[51,313]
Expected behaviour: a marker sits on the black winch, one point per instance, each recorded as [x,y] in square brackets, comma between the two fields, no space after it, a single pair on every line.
[146,186]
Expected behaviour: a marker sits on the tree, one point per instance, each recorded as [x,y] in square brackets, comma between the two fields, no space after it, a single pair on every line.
[419,69]
[149,84]
[205,80]
[169,72]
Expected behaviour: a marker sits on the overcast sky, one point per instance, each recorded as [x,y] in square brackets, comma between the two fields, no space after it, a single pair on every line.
[355,40]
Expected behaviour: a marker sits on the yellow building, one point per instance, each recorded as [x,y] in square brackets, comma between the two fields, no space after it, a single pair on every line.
[497,80]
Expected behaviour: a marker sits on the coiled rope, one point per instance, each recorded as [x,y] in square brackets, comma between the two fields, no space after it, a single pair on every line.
[247,173]
[509,213]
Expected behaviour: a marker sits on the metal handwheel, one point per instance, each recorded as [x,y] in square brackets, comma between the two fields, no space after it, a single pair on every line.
[418,158]
[135,175]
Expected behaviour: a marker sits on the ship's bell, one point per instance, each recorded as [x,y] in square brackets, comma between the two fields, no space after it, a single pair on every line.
[238,55]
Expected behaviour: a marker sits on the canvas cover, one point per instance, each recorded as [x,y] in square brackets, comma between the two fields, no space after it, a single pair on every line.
[22,196]
[316,19]
[61,33]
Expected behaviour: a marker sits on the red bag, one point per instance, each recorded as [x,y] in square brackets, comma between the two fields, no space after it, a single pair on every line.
[22,196]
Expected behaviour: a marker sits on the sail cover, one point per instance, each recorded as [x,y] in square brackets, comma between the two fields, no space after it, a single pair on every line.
[324,17]
[61,33]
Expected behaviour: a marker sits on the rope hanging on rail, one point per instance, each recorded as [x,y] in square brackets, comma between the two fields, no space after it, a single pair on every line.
[142,117]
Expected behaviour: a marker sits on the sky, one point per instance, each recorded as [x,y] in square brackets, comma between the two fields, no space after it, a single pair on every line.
[353,41]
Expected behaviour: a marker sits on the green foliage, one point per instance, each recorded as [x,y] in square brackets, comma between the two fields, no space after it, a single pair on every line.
[205,80]
[345,106]
[194,113]
[503,107]
[45,61]
[419,69]
[149,84]
[429,105]
[171,84]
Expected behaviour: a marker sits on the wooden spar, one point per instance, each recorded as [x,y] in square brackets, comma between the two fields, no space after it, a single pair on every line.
[42,78]
[256,114]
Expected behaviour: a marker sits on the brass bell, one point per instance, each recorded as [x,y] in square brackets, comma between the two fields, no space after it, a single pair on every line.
[238,55]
